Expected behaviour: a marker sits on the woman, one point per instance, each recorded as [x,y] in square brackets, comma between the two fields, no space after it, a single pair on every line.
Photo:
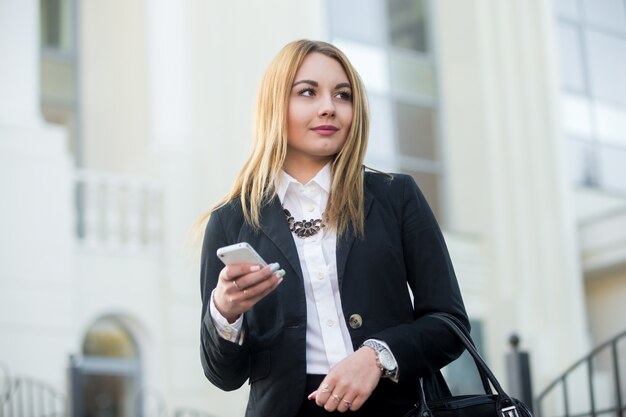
[330,325]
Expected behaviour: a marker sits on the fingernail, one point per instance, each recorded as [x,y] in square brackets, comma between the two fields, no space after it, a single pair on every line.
[281,273]
[274,267]
[255,268]
[312,395]
[280,280]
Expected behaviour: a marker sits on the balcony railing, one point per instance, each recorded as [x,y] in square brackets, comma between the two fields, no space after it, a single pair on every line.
[593,386]
[118,213]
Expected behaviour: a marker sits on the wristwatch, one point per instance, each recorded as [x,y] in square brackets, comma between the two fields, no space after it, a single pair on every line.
[384,359]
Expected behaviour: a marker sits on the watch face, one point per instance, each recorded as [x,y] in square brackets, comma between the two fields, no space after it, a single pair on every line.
[386,360]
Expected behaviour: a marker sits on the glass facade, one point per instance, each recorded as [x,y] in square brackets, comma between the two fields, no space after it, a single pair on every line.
[390,44]
[591,36]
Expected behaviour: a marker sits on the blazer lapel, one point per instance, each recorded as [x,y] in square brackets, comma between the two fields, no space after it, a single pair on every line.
[274,226]
[345,242]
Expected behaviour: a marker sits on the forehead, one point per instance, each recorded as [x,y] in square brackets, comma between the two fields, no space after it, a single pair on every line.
[319,67]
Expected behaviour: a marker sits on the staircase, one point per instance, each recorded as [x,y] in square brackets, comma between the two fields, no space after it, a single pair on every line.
[594,386]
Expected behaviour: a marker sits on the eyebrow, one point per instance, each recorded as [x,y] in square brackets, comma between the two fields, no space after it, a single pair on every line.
[316,84]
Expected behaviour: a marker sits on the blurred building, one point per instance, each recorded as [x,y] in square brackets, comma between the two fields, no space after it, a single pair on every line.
[122,121]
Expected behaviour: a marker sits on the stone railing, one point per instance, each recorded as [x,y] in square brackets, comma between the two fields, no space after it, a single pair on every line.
[118,213]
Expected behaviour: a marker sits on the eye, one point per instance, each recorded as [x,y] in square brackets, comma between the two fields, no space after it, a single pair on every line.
[345,95]
[306,92]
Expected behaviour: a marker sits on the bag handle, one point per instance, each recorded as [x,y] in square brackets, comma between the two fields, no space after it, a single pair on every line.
[460,326]
[504,404]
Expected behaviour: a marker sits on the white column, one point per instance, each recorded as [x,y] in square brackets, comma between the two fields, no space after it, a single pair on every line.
[169,77]
[169,41]
[19,49]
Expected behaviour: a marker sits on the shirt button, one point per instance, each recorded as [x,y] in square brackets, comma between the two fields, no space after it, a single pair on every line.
[320,275]
[330,323]
[310,209]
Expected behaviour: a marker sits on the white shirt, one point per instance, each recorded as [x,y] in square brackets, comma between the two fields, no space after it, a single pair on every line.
[327,340]
[327,337]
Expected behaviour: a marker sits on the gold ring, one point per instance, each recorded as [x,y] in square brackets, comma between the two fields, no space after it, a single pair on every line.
[336,398]
[325,388]
[236,286]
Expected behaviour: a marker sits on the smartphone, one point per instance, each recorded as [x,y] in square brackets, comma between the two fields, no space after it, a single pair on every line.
[240,253]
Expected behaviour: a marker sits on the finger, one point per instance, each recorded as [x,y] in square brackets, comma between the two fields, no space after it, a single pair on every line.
[252,278]
[323,393]
[333,402]
[344,405]
[261,289]
[312,395]
[231,272]
[242,301]
[357,403]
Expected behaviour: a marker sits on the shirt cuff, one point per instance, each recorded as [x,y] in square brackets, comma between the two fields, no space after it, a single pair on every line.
[394,376]
[232,332]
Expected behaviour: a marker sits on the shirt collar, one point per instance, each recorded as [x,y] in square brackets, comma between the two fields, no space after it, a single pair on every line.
[284,180]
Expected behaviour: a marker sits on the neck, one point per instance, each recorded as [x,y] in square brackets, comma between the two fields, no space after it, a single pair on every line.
[304,169]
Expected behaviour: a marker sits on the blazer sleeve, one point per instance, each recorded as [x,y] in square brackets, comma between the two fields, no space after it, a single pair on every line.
[225,364]
[425,345]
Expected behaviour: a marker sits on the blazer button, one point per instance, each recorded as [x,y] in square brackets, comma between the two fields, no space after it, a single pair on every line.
[356,321]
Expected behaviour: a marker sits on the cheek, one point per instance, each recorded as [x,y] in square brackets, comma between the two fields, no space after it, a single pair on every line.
[296,117]
[346,115]
[347,122]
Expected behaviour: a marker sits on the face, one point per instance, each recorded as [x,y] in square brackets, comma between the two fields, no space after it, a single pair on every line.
[320,110]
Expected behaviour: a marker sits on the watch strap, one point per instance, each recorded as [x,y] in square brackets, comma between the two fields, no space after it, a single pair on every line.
[380,348]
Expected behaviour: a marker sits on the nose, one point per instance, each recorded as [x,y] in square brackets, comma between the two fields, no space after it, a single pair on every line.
[327,107]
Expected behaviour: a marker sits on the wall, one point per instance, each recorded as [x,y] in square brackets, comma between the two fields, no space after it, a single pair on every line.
[606,294]
[114,85]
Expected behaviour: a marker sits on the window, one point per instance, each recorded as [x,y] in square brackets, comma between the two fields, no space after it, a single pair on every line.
[461,375]
[390,44]
[59,68]
[592,46]
[106,377]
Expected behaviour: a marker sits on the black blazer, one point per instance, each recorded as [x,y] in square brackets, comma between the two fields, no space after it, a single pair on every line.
[403,244]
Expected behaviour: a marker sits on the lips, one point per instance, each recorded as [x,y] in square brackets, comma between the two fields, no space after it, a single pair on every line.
[326,129]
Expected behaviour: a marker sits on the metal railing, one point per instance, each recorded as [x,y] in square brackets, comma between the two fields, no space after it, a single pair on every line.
[188,412]
[27,397]
[594,386]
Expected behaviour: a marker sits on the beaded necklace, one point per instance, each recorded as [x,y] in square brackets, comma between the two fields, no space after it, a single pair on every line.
[303,228]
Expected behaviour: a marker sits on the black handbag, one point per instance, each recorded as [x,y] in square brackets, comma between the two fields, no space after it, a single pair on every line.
[489,404]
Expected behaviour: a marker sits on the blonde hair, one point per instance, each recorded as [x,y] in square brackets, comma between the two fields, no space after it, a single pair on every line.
[254,186]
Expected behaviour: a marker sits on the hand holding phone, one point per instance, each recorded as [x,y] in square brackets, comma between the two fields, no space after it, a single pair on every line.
[240,287]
